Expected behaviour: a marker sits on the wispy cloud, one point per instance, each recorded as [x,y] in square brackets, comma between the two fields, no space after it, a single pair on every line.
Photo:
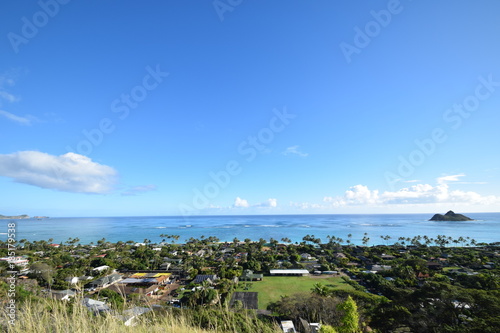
[26,120]
[8,80]
[456,180]
[69,172]
[451,178]
[8,97]
[136,190]
[305,205]
[294,151]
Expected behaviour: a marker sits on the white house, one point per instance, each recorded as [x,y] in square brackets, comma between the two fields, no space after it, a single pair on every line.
[306,256]
[287,326]
[18,261]
[63,295]
[95,306]
[100,268]
[129,315]
[290,272]
[72,279]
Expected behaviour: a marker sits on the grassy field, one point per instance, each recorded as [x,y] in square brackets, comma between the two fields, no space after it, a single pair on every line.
[446,269]
[272,287]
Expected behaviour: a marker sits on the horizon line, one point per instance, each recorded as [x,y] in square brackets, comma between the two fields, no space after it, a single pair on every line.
[240,215]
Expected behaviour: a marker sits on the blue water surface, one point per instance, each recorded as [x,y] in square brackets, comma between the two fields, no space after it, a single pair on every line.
[485,228]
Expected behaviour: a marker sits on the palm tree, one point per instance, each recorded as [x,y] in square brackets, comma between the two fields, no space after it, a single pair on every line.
[320,289]
[366,240]
[286,240]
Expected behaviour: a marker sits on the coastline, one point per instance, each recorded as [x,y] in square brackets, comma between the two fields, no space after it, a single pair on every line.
[485,228]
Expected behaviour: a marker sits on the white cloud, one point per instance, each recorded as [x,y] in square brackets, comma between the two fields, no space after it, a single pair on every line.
[411,181]
[356,195]
[416,195]
[268,203]
[294,150]
[69,172]
[240,203]
[272,202]
[26,120]
[8,77]
[136,190]
[452,178]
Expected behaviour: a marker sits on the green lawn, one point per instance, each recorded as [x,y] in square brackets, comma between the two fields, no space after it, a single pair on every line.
[446,269]
[272,287]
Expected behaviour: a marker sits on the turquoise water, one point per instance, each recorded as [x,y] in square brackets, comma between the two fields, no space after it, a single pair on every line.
[486,228]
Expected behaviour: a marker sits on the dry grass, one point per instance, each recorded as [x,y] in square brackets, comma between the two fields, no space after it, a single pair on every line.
[53,316]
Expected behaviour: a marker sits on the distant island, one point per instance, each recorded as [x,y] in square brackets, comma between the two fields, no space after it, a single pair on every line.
[17,217]
[450,216]
[21,217]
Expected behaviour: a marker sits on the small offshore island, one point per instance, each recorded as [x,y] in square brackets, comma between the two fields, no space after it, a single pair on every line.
[450,216]
[21,217]
[17,217]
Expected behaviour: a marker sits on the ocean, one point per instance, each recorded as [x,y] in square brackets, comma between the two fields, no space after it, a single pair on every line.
[485,228]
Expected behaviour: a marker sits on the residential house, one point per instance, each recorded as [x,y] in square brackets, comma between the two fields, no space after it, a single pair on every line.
[434,265]
[95,306]
[339,255]
[249,275]
[309,327]
[105,281]
[72,279]
[146,279]
[129,316]
[100,268]
[378,268]
[128,289]
[288,327]
[165,266]
[306,256]
[211,278]
[173,261]
[387,256]
[289,272]
[63,295]
[19,261]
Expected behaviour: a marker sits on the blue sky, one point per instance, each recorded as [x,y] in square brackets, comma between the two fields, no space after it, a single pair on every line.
[249,107]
